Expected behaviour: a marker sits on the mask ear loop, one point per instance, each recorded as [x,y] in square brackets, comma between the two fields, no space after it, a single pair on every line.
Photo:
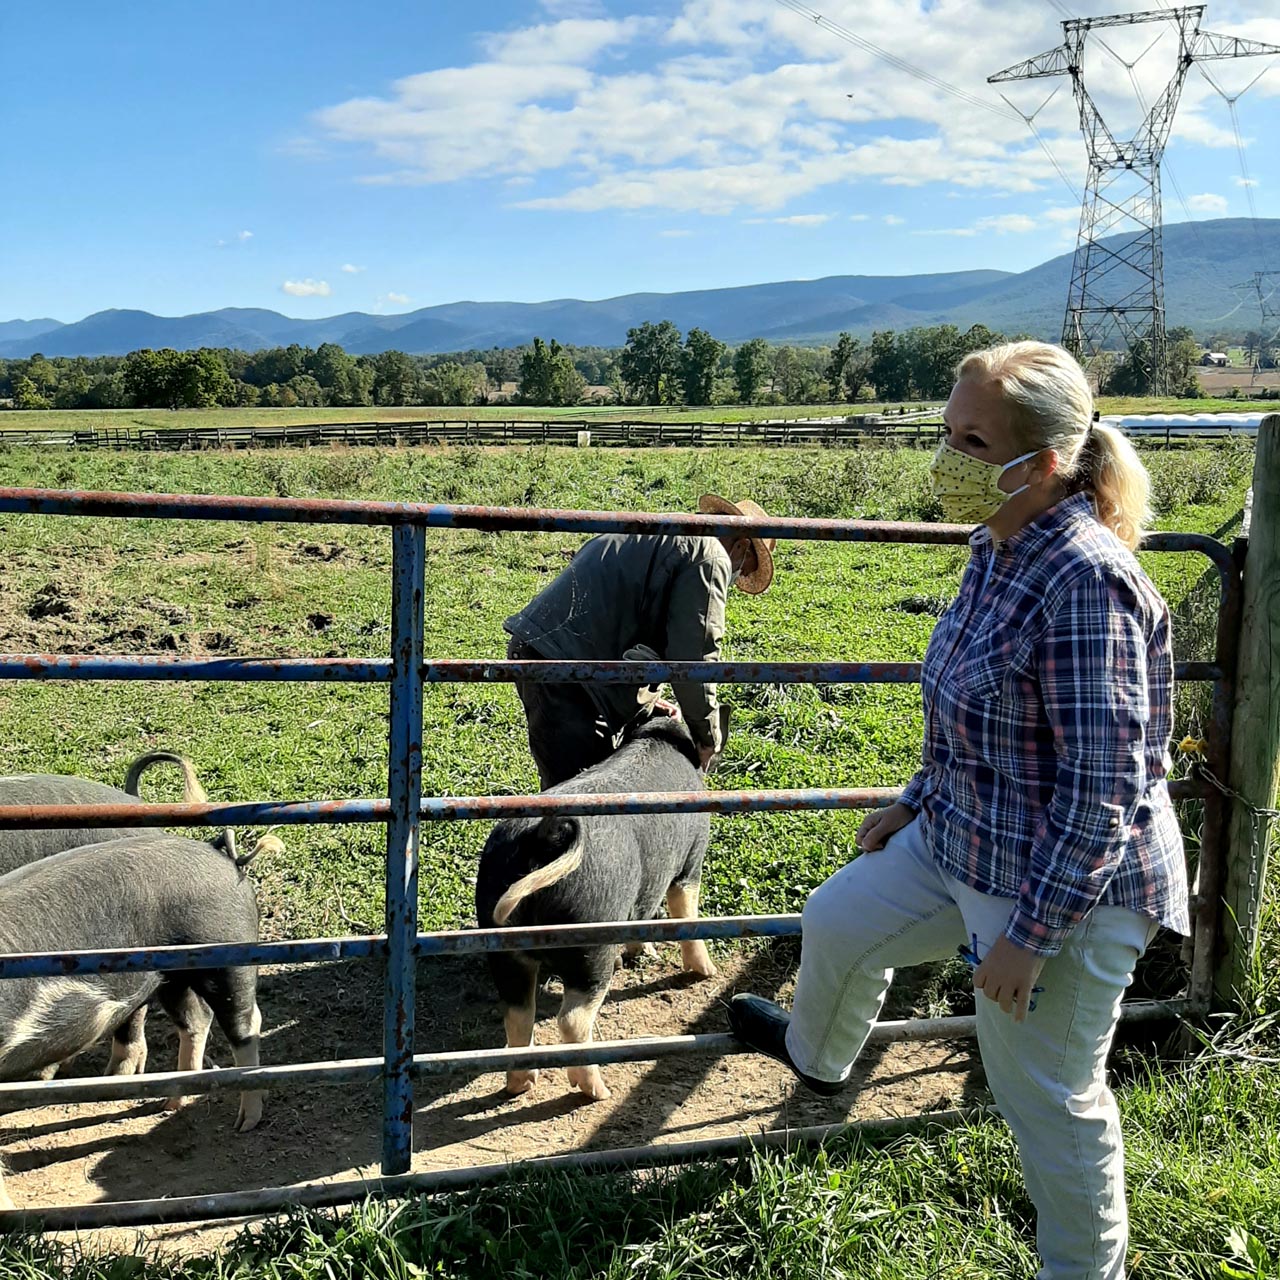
[1015,462]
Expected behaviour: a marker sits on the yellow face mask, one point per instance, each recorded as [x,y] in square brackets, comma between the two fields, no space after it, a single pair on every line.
[967,488]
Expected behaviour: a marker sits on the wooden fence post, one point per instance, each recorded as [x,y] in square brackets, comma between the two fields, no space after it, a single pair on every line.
[1255,732]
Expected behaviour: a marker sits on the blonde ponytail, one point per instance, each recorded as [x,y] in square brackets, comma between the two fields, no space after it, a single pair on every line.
[1110,469]
[1052,408]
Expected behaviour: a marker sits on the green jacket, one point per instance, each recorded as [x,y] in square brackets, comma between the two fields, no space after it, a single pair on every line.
[621,590]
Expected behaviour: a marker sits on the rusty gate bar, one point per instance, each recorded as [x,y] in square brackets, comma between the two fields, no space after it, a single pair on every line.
[319,1195]
[404,809]
[446,942]
[464,808]
[181,506]
[404,791]
[359,1071]
[57,666]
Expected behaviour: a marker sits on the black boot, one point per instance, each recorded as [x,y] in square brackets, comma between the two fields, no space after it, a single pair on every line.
[762,1025]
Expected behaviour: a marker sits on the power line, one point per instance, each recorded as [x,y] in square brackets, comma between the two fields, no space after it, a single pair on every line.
[892,59]
[929,78]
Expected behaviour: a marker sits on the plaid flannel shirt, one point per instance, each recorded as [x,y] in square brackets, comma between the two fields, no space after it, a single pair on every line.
[1048,690]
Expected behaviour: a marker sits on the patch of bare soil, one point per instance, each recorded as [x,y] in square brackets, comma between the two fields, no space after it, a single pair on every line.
[77,1154]
[1218,382]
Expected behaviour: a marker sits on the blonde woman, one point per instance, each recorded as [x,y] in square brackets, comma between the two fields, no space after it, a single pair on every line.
[1038,836]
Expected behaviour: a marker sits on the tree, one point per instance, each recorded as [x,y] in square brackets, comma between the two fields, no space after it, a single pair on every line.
[42,373]
[26,395]
[1132,373]
[73,386]
[152,378]
[107,392]
[650,361]
[750,369]
[396,379]
[202,381]
[842,355]
[1183,354]
[795,375]
[453,383]
[698,365]
[303,390]
[276,364]
[548,376]
[930,355]
[344,381]
[888,369]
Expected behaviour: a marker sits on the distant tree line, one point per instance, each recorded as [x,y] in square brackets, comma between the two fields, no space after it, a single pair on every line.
[656,366]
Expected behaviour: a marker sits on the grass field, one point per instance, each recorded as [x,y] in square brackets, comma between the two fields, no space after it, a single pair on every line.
[1202,1141]
[84,419]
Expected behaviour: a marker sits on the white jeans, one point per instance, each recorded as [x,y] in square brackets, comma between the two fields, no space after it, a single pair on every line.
[1048,1073]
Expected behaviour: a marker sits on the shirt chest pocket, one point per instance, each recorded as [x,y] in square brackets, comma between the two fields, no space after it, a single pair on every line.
[991,669]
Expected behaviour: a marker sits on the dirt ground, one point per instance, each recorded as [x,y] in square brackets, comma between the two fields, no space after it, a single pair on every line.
[76,1154]
[1218,382]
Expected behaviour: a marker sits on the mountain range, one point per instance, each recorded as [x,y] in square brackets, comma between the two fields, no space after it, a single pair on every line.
[1204,265]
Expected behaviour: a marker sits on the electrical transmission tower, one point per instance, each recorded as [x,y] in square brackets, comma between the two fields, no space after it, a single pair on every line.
[1117,279]
[1266,285]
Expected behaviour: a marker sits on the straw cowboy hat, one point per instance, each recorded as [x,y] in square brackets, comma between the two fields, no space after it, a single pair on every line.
[753,583]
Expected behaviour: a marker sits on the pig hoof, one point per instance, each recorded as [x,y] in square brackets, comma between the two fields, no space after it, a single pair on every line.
[703,968]
[588,1081]
[634,950]
[5,1202]
[250,1114]
[175,1104]
[519,1082]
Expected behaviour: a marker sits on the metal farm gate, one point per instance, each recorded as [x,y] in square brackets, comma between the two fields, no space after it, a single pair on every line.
[404,808]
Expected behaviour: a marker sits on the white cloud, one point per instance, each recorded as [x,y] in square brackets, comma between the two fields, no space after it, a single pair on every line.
[892,220]
[675,233]
[351,269]
[1207,203]
[1006,222]
[245,235]
[745,107]
[1064,213]
[859,217]
[1000,223]
[241,237]
[1245,182]
[394,299]
[792,220]
[306,288]
[567,41]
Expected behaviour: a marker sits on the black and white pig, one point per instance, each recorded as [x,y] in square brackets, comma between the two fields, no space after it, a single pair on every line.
[17,848]
[561,870]
[140,891]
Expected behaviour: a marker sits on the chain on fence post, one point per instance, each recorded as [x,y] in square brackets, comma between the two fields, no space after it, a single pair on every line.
[404,789]
[1255,739]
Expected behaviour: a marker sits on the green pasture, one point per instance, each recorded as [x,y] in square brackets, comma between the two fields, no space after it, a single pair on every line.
[1203,1145]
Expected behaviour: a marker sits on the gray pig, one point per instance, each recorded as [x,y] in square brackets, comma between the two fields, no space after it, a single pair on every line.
[150,891]
[17,848]
[559,870]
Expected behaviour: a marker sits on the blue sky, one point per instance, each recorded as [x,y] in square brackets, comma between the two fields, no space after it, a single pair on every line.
[315,158]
